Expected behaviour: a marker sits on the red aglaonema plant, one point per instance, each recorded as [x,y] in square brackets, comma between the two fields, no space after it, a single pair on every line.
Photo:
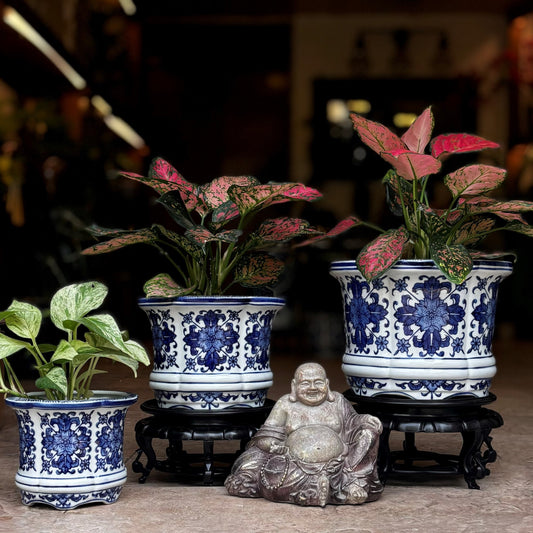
[447,236]
[218,244]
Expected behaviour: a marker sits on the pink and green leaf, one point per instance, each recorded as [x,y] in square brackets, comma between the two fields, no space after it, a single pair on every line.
[412,165]
[164,178]
[296,191]
[479,254]
[474,180]
[459,143]
[224,213]
[342,227]
[454,261]
[380,254]
[163,286]
[524,229]
[190,247]
[258,270]
[502,209]
[281,229]
[167,178]
[176,208]
[399,192]
[202,235]
[376,136]
[417,137]
[257,197]
[126,238]
[215,193]
[473,231]
[99,231]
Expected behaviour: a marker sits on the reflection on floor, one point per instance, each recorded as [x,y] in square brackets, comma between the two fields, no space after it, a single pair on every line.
[504,502]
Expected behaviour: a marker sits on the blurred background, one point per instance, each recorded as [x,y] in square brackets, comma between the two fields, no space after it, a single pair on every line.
[238,87]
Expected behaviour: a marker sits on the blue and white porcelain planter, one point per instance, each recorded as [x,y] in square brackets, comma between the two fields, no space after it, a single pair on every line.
[413,333]
[211,352]
[71,452]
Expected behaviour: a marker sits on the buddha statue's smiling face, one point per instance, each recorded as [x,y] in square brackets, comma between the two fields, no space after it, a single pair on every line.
[311,385]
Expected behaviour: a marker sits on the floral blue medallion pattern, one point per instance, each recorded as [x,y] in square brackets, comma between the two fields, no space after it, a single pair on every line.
[109,437]
[70,457]
[26,441]
[211,340]
[66,442]
[258,329]
[414,333]
[365,315]
[484,314]
[164,338]
[430,316]
[213,352]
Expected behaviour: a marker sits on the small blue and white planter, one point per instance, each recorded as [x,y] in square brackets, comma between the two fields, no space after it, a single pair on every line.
[413,333]
[71,452]
[211,352]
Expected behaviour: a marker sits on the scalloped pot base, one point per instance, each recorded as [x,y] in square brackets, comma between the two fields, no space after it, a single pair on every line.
[71,452]
[413,333]
[211,352]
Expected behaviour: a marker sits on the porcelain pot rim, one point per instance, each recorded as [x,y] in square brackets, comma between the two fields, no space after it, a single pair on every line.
[424,263]
[101,398]
[215,299]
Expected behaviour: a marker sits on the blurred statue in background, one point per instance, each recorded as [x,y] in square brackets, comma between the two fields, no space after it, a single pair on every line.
[313,449]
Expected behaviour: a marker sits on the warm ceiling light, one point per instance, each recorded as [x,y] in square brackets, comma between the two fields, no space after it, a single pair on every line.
[359,106]
[128,7]
[12,18]
[403,120]
[336,111]
[116,124]
[125,131]
[101,105]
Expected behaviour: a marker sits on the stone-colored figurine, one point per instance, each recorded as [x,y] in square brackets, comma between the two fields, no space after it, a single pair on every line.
[313,449]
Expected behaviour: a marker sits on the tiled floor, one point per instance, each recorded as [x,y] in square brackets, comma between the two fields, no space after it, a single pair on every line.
[504,503]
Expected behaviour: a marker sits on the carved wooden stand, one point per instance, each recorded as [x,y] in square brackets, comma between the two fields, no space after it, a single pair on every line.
[465,415]
[178,425]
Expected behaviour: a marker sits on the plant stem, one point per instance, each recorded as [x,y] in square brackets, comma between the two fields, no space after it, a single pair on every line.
[15,385]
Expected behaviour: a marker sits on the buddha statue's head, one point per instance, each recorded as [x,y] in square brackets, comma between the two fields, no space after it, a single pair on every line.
[310,385]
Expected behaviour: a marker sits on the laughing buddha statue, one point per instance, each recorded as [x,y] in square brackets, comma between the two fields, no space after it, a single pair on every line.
[313,449]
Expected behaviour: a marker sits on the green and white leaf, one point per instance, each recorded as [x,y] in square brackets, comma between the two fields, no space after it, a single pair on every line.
[10,346]
[106,327]
[23,319]
[65,353]
[55,379]
[73,302]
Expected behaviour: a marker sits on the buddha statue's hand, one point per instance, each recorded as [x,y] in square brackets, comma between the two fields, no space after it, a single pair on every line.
[278,449]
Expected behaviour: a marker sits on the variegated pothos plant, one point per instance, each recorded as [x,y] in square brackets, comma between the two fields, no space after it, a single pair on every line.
[447,236]
[66,369]
[217,241]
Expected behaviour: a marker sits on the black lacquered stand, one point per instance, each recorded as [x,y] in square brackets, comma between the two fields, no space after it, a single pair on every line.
[178,425]
[465,415]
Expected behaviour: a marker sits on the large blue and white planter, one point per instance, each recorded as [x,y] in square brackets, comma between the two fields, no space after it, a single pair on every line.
[71,452]
[415,334]
[211,352]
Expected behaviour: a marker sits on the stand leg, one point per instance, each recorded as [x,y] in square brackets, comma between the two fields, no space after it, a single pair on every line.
[384,457]
[208,462]
[473,460]
[145,444]
[409,449]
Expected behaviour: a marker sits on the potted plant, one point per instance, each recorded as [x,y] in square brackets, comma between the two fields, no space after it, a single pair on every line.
[420,299]
[211,347]
[71,437]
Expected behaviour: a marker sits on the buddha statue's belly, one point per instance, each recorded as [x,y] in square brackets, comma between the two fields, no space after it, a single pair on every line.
[315,444]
